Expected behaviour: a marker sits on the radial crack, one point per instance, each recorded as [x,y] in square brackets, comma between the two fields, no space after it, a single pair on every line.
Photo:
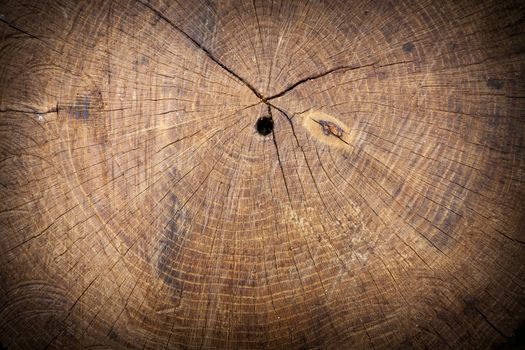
[320,75]
[20,30]
[203,49]
[279,158]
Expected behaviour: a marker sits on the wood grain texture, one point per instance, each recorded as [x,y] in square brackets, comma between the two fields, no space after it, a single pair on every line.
[140,208]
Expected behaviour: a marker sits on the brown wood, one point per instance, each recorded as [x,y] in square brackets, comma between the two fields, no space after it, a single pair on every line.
[141,208]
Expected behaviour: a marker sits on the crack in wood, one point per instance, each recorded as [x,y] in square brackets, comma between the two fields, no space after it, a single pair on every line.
[279,157]
[317,76]
[203,49]
[21,30]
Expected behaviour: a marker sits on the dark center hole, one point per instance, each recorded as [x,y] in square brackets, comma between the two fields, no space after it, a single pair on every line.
[264,125]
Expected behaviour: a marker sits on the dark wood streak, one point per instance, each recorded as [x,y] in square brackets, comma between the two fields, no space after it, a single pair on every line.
[169,247]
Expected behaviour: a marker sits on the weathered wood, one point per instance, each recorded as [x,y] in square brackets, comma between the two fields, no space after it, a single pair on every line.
[261,174]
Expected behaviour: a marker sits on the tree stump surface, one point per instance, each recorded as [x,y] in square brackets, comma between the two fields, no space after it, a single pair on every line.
[261,174]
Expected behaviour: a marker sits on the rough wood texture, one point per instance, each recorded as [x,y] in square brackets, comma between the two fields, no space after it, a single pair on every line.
[141,208]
